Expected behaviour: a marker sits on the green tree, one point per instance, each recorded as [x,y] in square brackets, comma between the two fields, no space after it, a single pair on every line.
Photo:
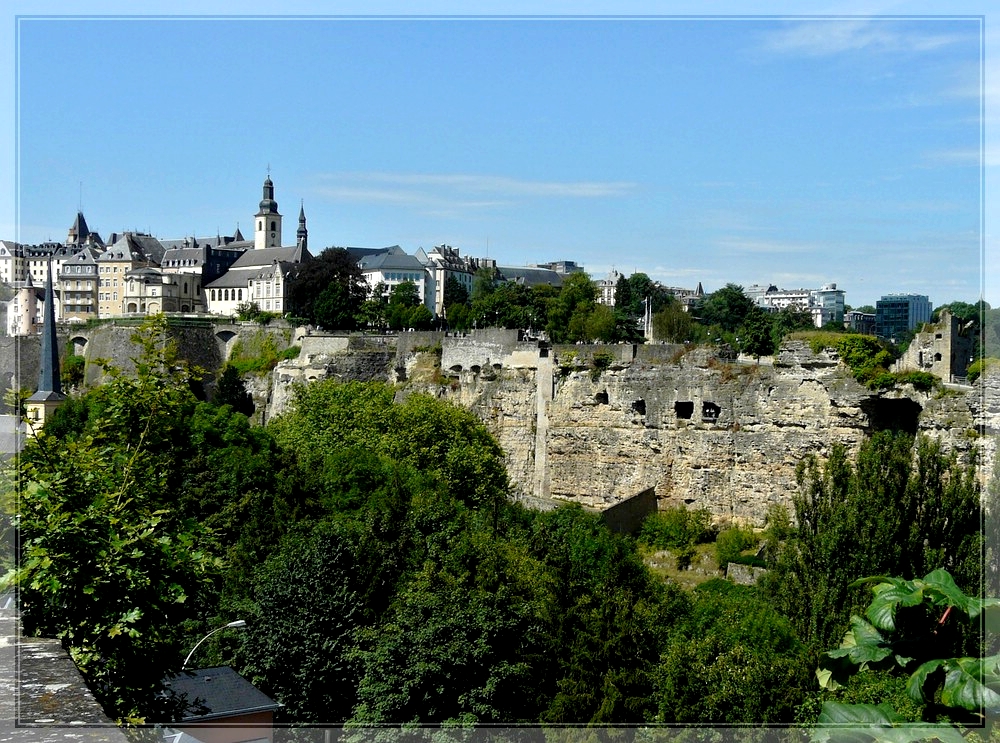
[483,283]
[454,292]
[106,565]
[731,660]
[232,390]
[884,514]
[570,310]
[673,324]
[727,308]
[332,267]
[756,334]
[306,606]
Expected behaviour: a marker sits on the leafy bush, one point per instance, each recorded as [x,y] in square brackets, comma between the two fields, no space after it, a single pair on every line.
[259,353]
[980,366]
[72,370]
[731,542]
[922,381]
[675,528]
[602,360]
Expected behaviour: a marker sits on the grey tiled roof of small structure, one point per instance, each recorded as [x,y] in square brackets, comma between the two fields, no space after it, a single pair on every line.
[220,692]
[82,257]
[530,276]
[239,278]
[216,241]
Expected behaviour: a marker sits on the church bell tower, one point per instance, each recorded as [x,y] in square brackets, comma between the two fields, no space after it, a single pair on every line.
[267,223]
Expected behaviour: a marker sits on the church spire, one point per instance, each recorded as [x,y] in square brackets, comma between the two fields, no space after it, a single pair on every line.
[48,376]
[302,234]
[267,222]
[49,395]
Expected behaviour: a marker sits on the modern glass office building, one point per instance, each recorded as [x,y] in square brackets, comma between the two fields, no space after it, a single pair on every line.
[899,313]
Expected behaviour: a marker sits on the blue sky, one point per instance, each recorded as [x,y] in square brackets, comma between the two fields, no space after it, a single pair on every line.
[764,148]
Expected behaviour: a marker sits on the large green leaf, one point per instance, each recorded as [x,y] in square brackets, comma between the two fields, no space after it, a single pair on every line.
[888,596]
[864,723]
[862,644]
[964,685]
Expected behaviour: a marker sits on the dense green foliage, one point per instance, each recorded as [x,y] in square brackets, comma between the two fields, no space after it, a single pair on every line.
[328,290]
[913,628]
[732,659]
[369,540]
[108,565]
[888,513]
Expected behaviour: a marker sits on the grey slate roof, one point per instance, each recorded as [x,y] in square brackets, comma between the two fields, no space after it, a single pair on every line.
[259,263]
[390,261]
[219,692]
[530,276]
[134,247]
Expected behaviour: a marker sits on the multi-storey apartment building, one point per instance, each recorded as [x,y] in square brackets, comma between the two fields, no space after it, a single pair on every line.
[130,251]
[441,263]
[392,267]
[79,287]
[824,305]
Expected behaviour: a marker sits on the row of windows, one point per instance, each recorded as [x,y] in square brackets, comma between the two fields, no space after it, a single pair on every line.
[225,295]
[109,297]
[403,276]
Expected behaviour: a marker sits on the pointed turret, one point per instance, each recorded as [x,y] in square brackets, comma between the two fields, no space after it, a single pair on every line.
[49,395]
[78,231]
[302,234]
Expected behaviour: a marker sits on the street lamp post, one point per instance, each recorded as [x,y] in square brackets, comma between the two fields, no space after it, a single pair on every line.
[239,623]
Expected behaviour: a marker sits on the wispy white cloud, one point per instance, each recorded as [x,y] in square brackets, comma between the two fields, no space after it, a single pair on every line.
[452,195]
[498,186]
[745,245]
[825,37]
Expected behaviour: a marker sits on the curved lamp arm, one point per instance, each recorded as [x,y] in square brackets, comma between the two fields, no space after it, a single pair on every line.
[238,623]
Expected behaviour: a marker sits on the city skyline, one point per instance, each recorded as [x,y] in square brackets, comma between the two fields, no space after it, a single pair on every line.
[754,150]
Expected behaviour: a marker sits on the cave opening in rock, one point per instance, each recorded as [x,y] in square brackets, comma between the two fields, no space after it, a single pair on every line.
[710,412]
[601,398]
[639,406]
[684,409]
[892,414]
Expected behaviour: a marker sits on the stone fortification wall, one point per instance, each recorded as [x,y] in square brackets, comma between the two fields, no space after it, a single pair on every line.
[702,432]
[699,430]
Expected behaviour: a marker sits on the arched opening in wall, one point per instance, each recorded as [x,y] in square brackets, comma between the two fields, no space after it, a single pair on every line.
[710,412]
[79,345]
[131,307]
[185,308]
[225,338]
[937,357]
[497,367]
[639,406]
[684,409]
[901,414]
[601,398]
[476,368]
[456,367]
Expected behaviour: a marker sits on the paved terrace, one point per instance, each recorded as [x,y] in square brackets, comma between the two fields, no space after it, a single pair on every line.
[42,696]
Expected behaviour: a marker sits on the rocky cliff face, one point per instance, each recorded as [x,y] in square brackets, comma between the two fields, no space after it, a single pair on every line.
[599,424]
[596,425]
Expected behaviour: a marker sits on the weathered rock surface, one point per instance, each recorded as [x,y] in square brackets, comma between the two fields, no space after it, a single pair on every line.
[598,424]
[702,432]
